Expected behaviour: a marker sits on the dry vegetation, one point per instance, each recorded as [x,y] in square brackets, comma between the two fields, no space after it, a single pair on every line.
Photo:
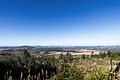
[70,67]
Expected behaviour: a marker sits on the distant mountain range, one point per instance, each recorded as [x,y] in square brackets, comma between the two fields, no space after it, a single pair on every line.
[17,47]
[67,47]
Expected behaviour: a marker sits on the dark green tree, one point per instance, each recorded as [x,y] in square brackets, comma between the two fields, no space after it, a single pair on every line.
[25,56]
[26,53]
[83,56]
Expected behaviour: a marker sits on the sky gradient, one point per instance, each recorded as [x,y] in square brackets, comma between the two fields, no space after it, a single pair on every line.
[59,22]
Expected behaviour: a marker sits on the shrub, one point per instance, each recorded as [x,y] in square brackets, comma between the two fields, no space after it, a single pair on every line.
[98,75]
[71,73]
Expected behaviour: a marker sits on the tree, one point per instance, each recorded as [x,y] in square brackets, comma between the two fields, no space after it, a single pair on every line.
[67,58]
[83,56]
[102,54]
[26,53]
[109,53]
[25,56]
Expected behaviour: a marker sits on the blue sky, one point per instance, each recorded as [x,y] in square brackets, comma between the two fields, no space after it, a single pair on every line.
[59,22]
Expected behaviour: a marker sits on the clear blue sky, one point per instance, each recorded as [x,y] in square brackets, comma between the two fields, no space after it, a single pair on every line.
[59,22]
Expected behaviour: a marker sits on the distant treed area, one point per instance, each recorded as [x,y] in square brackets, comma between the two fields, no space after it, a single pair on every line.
[46,64]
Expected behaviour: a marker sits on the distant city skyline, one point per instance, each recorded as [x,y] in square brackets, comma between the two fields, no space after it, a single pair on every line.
[59,22]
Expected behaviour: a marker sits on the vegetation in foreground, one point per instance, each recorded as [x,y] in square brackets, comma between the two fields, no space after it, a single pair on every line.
[62,67]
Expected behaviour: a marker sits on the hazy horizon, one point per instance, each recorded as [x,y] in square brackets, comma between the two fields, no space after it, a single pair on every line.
[59,22]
